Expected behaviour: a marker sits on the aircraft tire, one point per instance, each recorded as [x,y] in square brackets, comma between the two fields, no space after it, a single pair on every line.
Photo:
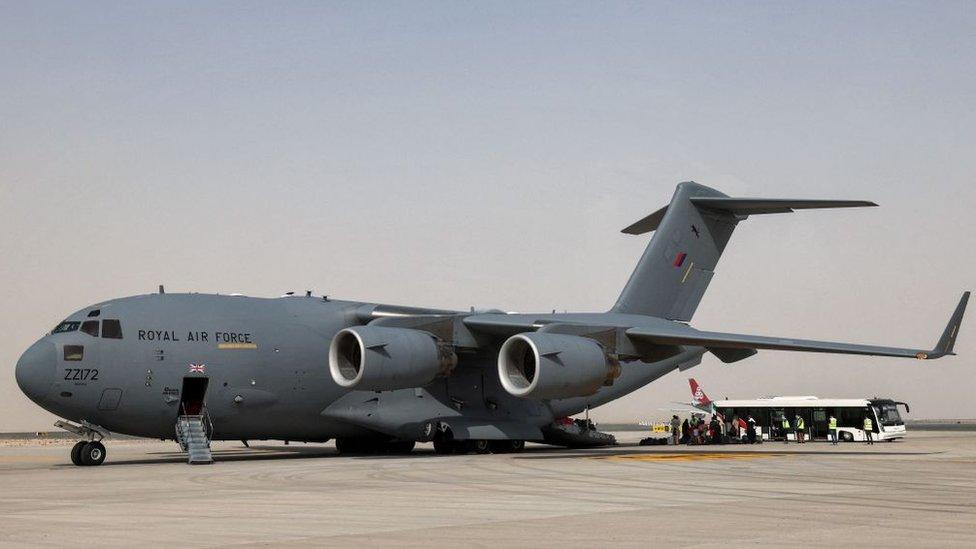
[76,452]
[479,446]
[498,446]
[354,446]
[506,446]
[401,447]
[443,447]
[93,453]
[345,446]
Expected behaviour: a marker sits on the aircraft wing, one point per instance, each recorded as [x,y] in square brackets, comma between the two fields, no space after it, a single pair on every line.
[688,407]
[681,334]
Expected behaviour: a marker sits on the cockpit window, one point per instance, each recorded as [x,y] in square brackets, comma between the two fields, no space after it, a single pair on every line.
[93,313]
[74,352]
[111,328]
[66,326]
[90,327]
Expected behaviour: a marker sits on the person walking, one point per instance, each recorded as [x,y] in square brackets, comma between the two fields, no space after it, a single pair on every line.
[675,429]
[868,430]
[685,431]
[786,429]
[832,429]
[801,429]
[751,429]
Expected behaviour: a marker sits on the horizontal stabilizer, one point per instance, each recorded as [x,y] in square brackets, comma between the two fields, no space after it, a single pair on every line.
[743,207]
[753,206]
[681,334]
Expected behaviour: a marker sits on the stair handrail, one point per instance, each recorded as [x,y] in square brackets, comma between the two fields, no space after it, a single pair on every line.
[178,428]
[205,413]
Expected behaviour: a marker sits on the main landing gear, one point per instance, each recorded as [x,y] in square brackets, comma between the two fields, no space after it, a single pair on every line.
[444,443]
[445,446]
[90,451]
[368,446]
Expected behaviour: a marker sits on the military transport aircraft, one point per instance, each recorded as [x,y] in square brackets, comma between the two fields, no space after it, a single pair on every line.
[378,378]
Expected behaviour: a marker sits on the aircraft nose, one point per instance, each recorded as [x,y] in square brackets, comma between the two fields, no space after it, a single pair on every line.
[35,370]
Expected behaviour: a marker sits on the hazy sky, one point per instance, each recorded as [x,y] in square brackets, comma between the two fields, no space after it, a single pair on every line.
[453,154]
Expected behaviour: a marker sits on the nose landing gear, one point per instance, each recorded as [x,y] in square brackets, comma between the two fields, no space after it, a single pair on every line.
[90,451]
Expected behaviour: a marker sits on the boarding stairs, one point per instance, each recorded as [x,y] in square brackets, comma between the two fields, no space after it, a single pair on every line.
[192,434]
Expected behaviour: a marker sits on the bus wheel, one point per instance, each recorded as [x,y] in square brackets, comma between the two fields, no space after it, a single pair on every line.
[847,437]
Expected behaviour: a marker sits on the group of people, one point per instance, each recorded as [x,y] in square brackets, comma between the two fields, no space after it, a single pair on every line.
[799,428]
[717,430]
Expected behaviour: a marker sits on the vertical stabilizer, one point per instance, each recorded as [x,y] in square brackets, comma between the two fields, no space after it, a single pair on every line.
[673,274]
[698,397]
[691,234]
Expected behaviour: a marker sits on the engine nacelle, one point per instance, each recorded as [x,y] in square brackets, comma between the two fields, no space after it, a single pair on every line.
[375,358]
[547,366]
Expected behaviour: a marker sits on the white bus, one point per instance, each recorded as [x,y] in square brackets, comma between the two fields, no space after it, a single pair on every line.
[850,414]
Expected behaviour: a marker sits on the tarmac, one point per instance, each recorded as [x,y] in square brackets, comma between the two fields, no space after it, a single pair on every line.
[919,492]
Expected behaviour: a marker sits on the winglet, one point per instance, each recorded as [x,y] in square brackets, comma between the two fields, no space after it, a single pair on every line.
[948,339]
[646,224]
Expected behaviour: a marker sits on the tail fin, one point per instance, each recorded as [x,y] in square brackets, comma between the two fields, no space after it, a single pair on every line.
[692,232]
[698,396]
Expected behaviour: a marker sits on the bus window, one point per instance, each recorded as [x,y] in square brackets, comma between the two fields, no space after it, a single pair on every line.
[888,414]
[851,417]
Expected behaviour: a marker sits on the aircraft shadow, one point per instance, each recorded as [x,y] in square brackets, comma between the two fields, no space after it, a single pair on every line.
[271,453]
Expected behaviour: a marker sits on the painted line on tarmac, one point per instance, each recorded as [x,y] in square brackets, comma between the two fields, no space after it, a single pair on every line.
[685,457]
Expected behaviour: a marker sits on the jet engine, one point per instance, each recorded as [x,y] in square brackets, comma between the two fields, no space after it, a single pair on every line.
[374,358]
[548,366]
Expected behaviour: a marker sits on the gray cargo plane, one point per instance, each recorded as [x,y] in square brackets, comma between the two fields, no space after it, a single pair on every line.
[379,378]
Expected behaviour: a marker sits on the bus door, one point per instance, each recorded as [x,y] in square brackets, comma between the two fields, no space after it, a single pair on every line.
[818,427]
[776,416]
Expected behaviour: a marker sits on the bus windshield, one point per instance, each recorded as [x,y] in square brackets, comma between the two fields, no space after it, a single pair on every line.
[888,413]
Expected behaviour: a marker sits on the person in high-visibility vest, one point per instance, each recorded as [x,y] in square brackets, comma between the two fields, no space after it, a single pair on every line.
[786,430]
[868,429]
[832,429]
[801,428]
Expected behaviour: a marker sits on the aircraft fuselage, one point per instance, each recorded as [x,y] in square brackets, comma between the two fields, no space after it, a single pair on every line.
[266,366]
